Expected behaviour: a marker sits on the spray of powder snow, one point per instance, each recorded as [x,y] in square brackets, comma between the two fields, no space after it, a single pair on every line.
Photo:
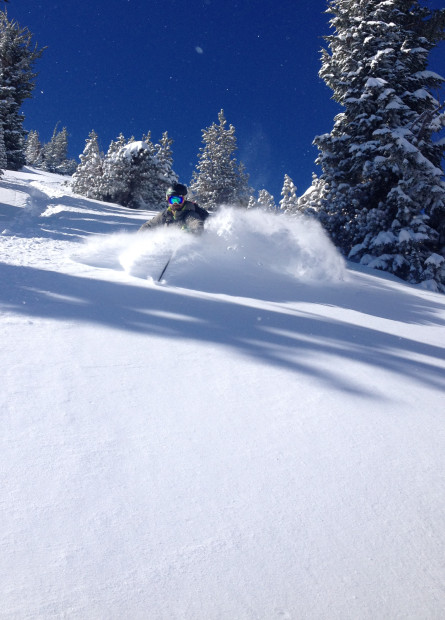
[296,246]
[241,252]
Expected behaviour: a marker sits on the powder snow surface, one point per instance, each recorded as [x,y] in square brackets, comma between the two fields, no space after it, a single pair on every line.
[258,436]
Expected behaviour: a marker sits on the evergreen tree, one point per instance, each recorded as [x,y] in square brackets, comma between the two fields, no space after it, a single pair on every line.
[137,173]
[252,203]
[52,156]
[309,202]
[266,201]
[165,175]
[33,150]
[17,58]
[3,159]
[68,167]
[113,181]
[55,152]
[87,178]
[60,151]
[48,153]
[380,194]
[3,111]
[219,178]
[130,174]
[115,146]
[146,170]
[288,202]
[133,173]
[141,176]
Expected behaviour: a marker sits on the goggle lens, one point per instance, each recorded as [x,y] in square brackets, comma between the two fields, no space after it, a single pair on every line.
[176,200]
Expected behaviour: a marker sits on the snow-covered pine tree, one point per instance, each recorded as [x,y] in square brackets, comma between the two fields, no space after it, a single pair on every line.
[61,163]
[60,152]
[252,203]
[165,174]
[381,194]
[243,189]
[3,160]
[68,167]
[157,162]
[86,179]
[55,152]
[288,202]
[17,58]
[266,201]
[142,175]
[33,150]
[50,156]
[309,202]
[113,182]
[219,179]
[131,174]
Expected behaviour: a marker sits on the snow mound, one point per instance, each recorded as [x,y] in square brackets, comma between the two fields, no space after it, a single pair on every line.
[241,252]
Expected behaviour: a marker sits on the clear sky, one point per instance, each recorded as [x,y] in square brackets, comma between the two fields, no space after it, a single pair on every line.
[170,65]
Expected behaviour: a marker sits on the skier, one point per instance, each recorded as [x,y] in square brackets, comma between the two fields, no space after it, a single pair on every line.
[180,212]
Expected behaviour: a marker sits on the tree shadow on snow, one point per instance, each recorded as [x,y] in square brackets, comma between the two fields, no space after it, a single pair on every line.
[66,216]
[268,333]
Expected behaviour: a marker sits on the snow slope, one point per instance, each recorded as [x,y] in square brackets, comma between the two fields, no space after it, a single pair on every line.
[259,436]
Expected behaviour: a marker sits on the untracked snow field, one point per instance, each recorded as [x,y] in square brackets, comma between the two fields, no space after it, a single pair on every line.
[260,435]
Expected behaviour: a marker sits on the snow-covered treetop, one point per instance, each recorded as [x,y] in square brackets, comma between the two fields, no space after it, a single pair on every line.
[132,149]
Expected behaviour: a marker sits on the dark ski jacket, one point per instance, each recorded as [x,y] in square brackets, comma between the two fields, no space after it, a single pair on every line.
[191,217]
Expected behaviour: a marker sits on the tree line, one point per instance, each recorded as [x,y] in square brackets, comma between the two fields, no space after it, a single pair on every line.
[380,194]
[17,80]
[53,156]
[137,173]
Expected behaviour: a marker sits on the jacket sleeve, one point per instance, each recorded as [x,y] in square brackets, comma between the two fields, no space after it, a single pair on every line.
[157,220]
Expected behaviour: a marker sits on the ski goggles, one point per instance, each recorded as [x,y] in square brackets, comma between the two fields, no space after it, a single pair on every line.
[176,201]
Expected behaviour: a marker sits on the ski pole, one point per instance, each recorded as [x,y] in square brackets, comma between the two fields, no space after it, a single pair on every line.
[165,268]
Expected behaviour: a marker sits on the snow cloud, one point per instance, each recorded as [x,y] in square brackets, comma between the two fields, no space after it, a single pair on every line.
[240,251]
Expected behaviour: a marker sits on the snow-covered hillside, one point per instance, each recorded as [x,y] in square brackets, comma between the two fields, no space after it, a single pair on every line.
[259,436]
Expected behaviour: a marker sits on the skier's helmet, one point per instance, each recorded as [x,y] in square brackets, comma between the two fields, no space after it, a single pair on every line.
[177,189]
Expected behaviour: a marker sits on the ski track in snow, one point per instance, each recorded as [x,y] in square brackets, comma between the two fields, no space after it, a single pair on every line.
[258,436]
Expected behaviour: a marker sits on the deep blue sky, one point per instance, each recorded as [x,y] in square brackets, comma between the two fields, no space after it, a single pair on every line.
[170,65]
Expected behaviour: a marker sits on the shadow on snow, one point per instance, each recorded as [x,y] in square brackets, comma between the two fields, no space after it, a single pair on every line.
[77,218]
[274,335]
